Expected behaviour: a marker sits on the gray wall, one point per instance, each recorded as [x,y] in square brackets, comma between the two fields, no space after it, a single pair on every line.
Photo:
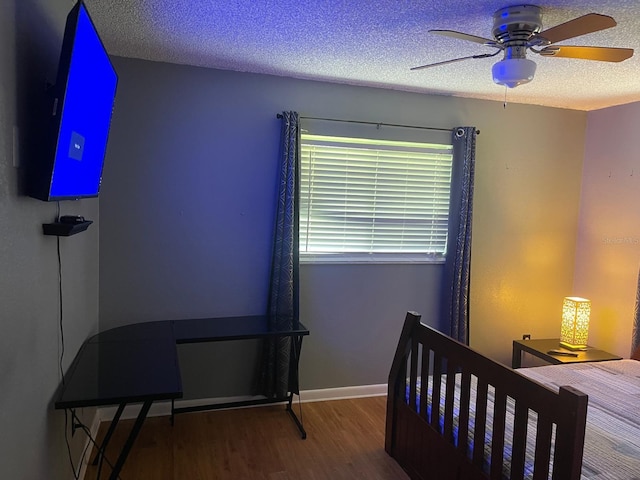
[608,248]
[32,445]
[187,215]
[187,211]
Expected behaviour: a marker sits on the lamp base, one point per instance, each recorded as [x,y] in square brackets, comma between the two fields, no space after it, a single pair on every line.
[574,348]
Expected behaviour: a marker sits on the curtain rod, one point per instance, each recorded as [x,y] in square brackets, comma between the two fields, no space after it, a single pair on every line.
[377,124]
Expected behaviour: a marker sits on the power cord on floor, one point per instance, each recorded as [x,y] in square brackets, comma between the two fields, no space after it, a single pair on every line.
[76,475]
[99,449]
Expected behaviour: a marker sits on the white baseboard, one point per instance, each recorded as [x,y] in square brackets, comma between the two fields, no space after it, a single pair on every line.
[159,409]
[342,393]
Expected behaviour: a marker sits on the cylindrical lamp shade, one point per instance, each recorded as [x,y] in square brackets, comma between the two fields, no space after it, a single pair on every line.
[575,323]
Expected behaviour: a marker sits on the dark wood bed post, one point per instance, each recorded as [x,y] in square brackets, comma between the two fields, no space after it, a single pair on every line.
[411,321]
[570,434]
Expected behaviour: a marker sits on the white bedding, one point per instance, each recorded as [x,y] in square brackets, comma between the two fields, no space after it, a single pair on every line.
[612,438]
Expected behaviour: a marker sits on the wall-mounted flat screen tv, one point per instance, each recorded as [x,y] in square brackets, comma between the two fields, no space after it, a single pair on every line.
[70,164]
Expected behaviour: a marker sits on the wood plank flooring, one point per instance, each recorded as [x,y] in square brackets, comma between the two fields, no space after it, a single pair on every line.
[345,440]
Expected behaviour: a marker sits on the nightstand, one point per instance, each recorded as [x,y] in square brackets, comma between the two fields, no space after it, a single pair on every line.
[540,347]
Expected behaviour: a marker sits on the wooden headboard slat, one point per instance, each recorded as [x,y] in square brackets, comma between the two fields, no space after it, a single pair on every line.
[543,448]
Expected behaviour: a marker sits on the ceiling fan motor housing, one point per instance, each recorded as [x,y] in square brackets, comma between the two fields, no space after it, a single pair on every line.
[517,23]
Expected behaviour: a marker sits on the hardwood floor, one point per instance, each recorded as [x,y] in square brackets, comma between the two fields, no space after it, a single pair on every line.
[345,440]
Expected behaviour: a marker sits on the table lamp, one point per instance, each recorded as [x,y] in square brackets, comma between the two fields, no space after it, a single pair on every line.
[575,323]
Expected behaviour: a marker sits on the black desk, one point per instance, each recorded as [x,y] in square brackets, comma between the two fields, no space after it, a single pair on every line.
[138,363]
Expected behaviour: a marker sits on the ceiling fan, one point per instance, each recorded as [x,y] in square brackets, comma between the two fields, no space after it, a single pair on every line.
[517,29]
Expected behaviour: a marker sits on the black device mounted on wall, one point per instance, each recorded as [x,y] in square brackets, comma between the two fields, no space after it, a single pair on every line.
[66,225]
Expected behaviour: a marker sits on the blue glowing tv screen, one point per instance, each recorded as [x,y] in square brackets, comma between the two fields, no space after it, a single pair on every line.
[82,108]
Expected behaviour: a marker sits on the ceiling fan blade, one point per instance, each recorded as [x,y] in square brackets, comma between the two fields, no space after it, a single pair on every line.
[603,54]
[592,22]
[465,36]
[484,55]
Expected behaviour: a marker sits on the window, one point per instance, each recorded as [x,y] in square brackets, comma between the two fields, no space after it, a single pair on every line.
[365,199]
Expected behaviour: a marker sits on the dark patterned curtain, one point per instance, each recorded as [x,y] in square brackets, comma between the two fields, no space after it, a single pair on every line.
[282,308]
[635,339]
[457,271]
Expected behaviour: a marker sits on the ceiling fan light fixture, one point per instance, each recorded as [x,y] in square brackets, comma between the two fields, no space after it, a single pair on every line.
[512,72]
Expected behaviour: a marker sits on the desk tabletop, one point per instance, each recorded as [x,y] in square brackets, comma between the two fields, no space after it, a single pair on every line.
[139,362]
[125,371]
[144,331]
[230,328]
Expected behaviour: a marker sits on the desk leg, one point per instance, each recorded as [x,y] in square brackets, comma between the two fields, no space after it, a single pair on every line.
[296,347]
[298,422]
[110,431]
[132,437]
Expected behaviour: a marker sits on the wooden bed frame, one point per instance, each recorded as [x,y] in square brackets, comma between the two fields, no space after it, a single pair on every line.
[425,450]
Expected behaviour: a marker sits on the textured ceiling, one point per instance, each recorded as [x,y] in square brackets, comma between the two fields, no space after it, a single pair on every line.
[373,43]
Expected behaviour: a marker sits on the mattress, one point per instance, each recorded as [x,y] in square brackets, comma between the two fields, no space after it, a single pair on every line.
[612,437]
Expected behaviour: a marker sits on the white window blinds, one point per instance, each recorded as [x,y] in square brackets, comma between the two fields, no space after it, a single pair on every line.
[373,196]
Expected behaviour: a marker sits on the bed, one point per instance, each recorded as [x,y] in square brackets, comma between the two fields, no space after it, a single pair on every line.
[455,414]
